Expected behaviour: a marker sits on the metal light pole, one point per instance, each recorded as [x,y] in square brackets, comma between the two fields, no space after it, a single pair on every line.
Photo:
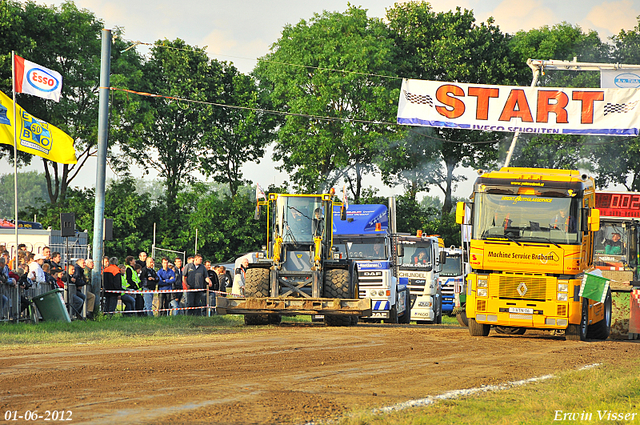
[103,132]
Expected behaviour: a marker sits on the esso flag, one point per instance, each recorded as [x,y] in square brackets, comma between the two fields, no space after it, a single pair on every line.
[37,80]
[538,110]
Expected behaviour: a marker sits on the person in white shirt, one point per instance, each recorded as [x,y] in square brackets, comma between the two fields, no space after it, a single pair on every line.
[36,274]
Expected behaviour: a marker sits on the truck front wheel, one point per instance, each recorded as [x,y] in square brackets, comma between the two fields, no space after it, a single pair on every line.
[579,332]
[602,329]
[478,329]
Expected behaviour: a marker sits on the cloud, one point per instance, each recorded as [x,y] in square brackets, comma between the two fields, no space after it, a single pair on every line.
[610,17]
[522,15]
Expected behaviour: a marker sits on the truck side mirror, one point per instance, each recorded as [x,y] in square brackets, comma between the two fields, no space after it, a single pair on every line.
[343,213]
[400,250]
[594,220]
[443,257]
[460,213]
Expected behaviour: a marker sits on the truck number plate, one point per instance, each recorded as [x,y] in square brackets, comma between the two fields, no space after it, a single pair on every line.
[380,315]
[520,310]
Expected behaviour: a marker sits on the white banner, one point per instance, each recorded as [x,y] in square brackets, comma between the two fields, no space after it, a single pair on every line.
[619,78]
[604,112]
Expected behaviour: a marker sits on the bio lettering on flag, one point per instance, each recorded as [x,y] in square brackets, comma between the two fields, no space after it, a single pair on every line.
[594,286]
[37,80]
[35,136]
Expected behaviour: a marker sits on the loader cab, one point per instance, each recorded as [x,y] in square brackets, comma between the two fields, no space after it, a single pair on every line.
[299,230]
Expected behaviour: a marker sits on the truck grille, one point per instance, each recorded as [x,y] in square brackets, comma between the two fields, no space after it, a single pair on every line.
[523,287]
[366,283]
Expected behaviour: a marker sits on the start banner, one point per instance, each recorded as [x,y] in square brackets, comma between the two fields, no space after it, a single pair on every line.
[603,112]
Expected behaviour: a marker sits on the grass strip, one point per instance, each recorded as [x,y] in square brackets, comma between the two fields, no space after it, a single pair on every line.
[609,393]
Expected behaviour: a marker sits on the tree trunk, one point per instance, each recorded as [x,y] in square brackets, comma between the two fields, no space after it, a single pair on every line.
[448,204]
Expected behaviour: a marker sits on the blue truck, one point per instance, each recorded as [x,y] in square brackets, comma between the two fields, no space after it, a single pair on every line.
[366,238]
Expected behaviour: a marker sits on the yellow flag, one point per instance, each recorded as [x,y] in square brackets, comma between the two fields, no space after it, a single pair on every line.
[35,136]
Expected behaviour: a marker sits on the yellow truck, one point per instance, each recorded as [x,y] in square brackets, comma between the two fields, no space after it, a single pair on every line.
[532,241]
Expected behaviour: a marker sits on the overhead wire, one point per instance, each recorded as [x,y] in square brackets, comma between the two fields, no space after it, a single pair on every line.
[317,117]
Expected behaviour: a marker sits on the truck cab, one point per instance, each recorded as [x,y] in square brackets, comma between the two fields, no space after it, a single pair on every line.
[364,237]
[420,260]
[452,279]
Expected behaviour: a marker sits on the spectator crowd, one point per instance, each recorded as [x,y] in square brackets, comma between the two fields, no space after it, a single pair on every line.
[132,282]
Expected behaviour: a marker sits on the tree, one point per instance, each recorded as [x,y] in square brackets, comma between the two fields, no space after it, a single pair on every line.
[32,192]
[166,133]
[446,46]
[243,131]
[67,40]
[560,42]
[615,159]
[328,75]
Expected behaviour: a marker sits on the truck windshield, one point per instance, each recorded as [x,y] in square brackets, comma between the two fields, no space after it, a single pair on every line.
[367,249]
[416,255]
[611,239]
[526,218]
[299,219]
[453,266]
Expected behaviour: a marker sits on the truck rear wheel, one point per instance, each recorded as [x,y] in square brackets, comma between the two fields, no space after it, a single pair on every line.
[579,332]
[602,329]
[256,286]
[462,316]
[508,330]
[478,329]
[336,285]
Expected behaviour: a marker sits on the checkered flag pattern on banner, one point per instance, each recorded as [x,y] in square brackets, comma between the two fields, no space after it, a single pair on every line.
[619,108]
[423,99]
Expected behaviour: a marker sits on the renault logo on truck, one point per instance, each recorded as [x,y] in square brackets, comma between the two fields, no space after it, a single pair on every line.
[522,289]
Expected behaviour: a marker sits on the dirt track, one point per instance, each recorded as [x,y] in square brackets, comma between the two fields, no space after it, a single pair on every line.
[294,373]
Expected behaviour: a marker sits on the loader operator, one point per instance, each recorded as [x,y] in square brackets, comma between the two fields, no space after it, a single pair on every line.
[317,224]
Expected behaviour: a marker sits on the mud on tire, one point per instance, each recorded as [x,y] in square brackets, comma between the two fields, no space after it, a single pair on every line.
[336,285]
[256,285]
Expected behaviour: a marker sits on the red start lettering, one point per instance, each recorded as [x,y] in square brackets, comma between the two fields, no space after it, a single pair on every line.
[517,105]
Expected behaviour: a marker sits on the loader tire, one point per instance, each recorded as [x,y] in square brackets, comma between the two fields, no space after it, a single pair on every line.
[256,285]
[336,285]
[602,329]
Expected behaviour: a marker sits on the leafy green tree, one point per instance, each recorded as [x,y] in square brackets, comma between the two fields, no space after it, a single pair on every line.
[243,131]
[67,40]
[331,66]
[447,46]
[615,159]
[32,192]
[559,42]
[166,133]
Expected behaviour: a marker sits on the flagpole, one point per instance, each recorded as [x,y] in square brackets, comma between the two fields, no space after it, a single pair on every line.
[15,152]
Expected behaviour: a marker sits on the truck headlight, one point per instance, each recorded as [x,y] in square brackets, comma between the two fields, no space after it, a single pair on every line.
[562,296]
[482,292]
[563,287]
[381,293]
[482,283]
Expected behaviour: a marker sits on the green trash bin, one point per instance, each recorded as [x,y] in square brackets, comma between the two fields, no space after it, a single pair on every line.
[51,306]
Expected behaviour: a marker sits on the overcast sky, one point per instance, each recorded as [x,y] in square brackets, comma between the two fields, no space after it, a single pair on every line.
[242,30]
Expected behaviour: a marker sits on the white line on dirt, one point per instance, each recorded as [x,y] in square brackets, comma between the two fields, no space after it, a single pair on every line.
[467,392]
[449,395]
